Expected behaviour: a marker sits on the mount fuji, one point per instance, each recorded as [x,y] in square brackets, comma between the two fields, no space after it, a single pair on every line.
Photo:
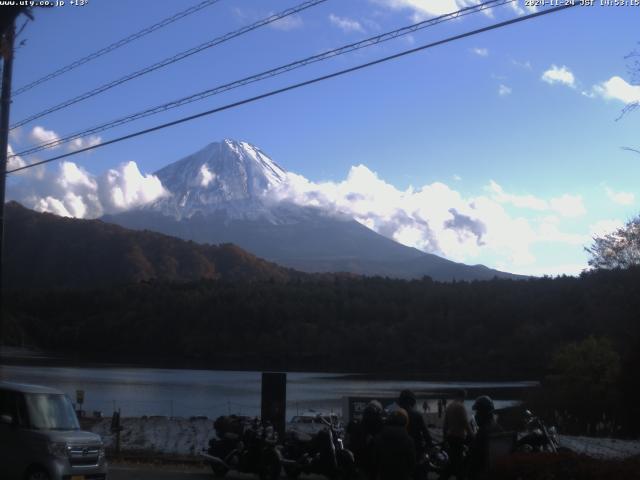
[220,194]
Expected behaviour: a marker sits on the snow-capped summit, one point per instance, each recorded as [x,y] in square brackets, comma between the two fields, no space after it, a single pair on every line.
[227,176]
[222,194]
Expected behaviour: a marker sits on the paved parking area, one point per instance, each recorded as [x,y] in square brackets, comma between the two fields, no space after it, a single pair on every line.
[154,472]
[136,472]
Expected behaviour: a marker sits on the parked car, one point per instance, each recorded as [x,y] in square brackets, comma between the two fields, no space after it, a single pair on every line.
[312,422]
[40,437]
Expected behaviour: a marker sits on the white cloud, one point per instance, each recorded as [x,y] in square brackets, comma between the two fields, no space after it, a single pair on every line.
[371,25]
[604,227]
[560,75]
[621,198]
[566,205]
[518,8]
[423,9]
[80,143]
[503,90]
[457,178]
[14,161]
[410,39]
[70,190]
[482,52]
[617,88]
[549,232]
[521,201]
[291,22]
[526,64]
[42,135]
[51,205]
[347,25]
[434,218]
[125,188]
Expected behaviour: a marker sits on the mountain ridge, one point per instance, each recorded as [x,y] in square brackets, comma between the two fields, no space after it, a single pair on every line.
[91,253]
[222,194]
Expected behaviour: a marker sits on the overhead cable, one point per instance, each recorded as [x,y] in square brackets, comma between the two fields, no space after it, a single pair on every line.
[300,85]
[168,61]
[377,39]
[115,45]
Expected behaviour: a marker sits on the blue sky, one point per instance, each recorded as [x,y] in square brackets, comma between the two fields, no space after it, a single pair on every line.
[512,134]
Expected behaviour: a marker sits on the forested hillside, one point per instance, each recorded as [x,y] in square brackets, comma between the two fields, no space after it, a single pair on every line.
[44,251]
[499,328]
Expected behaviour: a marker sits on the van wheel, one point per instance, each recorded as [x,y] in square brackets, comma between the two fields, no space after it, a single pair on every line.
[219,471]
[37,474]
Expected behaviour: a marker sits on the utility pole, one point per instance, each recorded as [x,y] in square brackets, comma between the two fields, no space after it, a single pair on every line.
[5,105]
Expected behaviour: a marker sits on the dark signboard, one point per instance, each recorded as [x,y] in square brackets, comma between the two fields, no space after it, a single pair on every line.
[353,407]
[274,400]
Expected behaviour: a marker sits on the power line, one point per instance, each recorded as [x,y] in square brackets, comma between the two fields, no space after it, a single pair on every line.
[116,45]
[301,84]
[170,60]
[266,74]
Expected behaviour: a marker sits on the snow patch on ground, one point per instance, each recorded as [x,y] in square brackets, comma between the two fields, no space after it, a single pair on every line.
[601,447]
[183,436]
[179,436]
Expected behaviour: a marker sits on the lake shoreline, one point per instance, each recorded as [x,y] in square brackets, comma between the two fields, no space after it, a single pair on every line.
[18,356]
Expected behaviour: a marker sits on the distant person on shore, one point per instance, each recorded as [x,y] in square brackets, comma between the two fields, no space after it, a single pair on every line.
[485,419]
[439,408]
[457,433]
[425,406]
[417,429]
[394,451]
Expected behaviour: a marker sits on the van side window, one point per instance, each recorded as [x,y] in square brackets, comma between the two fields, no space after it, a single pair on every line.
[9,404]
[23,420]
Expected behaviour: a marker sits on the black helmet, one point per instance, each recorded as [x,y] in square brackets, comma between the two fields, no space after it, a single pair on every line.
[483,404]
[407,397]
[374,407]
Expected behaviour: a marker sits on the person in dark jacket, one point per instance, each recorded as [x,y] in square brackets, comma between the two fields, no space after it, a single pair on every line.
[395,457]
[362,434]
[479,453]
[417,428]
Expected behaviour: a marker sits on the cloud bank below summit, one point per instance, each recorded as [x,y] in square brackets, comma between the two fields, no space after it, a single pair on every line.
[438,219]
[70,191]
[434,218]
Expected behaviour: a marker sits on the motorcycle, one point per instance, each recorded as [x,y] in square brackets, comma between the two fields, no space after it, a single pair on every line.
[435,460]
[323,453]
[245,445]
[537,437]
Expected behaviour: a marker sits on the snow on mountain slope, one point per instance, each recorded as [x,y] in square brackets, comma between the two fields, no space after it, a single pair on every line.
[221,194]
[227,176]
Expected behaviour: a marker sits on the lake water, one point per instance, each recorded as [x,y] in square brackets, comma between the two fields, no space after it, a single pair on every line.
[150,391]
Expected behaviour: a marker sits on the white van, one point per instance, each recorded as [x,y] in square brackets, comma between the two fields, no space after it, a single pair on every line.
[40,438]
